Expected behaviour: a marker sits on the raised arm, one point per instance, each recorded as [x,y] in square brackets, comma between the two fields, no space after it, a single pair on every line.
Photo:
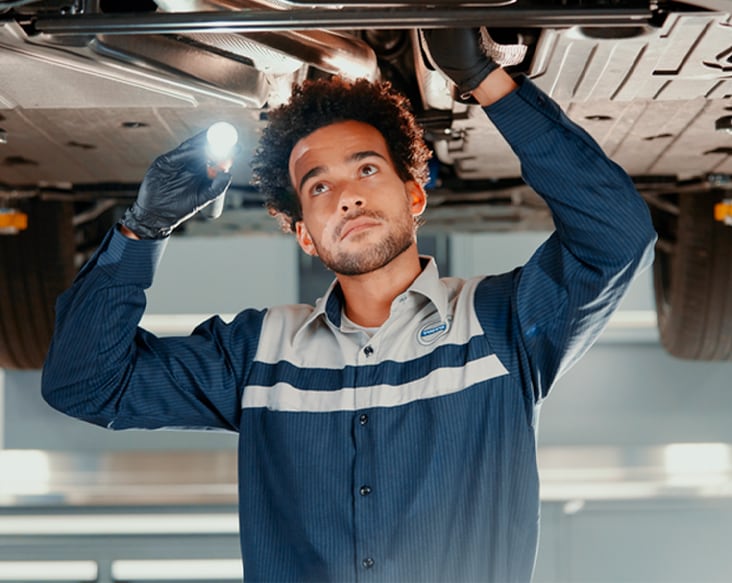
[562,298]
[104,369]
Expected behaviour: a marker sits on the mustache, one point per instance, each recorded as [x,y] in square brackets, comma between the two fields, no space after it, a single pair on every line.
[371,214]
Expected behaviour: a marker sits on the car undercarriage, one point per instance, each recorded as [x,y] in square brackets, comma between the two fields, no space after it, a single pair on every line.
[91,92]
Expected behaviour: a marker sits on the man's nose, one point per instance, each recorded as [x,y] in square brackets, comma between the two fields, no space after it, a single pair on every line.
[350,199]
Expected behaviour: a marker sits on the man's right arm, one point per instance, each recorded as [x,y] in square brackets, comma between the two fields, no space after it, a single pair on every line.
[104,369]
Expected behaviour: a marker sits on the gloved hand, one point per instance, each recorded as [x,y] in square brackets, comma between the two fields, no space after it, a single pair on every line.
[175,187]
[460,54]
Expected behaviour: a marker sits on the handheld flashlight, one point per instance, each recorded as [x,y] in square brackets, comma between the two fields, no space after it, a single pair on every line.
[221,138]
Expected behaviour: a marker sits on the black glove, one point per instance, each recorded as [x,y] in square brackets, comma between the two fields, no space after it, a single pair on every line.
[459,53]
[175,187]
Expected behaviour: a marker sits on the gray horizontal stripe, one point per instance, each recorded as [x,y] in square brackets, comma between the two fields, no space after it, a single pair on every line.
[442,381]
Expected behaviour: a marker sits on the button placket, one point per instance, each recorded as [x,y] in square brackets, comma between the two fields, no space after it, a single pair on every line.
[363,492]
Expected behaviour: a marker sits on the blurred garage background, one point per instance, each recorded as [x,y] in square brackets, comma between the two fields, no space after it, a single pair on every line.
[635,448]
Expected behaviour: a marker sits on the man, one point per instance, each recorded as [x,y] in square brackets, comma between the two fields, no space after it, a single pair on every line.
[387,433]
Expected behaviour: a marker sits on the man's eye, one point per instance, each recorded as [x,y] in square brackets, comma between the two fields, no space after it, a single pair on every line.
[319,188]
[368,170]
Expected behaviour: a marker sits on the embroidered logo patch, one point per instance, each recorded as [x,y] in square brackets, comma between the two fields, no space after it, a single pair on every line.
[429,333]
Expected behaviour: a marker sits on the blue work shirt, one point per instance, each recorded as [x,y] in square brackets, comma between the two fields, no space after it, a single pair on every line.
[404,455]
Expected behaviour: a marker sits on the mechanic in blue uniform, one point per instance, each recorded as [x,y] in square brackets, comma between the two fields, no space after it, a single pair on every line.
[388,432]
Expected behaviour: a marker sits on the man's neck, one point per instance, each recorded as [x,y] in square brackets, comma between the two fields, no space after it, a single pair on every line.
[368,297]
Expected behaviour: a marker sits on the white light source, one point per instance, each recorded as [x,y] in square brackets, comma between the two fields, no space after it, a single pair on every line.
[221,138]
[24,472]
[573,506]
[48,571]
[178,570]
[110,524]
[697,464]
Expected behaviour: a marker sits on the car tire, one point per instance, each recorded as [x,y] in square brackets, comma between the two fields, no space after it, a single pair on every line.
[37,265]
[693,280]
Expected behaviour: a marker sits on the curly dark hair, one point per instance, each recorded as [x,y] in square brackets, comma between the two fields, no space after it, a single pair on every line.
[318,103]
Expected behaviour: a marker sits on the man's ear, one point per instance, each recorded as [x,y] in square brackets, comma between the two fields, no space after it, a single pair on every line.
[417,197]
[304,239]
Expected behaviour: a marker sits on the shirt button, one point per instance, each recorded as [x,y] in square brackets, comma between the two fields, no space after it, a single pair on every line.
[368,351]
[367,563]
[363,419]
[364,490]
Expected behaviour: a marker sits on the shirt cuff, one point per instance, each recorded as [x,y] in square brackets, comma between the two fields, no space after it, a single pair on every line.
[524,114]
[131,261]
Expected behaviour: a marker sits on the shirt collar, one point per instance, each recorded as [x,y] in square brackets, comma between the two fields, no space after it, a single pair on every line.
[427,284]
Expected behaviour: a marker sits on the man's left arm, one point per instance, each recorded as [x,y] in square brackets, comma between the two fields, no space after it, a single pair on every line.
[566,293]
[563,297]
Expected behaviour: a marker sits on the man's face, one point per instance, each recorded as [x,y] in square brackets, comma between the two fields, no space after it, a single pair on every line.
[358,215]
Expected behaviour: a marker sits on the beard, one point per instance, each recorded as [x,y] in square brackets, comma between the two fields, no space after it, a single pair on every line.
[374,256]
